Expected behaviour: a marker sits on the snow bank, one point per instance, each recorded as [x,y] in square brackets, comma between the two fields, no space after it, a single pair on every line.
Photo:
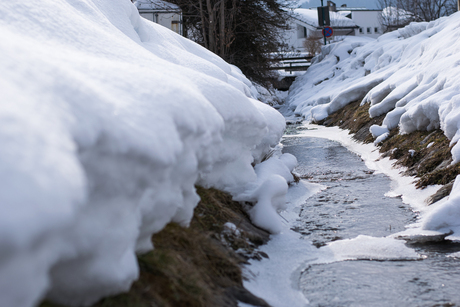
[444,216]
[108,122]
[410,76]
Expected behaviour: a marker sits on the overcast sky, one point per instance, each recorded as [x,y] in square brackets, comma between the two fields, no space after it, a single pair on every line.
[370,4]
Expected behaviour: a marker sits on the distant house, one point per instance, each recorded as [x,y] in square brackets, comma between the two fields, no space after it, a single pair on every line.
[304,25]
[369,21]
[164,13]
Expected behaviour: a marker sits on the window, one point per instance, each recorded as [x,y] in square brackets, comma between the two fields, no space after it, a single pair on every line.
[369,30]
[301,31]
[376,30]
[361,30]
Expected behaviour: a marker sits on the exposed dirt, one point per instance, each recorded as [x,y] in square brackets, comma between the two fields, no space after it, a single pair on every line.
[199,265]
[424,154]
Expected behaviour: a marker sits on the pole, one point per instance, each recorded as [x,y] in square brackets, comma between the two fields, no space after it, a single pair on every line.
[324,20]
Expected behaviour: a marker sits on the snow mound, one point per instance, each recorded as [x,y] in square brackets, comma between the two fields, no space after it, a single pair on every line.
[366,248]
[444,216]
[108,122]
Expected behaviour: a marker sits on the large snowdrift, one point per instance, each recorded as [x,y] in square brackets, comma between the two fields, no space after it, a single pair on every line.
[107,123]
[409,75]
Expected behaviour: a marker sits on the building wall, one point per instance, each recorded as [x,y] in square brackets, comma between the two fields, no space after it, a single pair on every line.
[369,23]
[299,32]
[171,21]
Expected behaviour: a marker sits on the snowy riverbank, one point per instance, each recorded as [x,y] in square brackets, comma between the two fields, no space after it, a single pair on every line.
[277,279]
[108,123]
[408,77]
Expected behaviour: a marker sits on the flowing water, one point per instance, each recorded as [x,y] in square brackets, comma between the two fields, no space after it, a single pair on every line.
[354,203]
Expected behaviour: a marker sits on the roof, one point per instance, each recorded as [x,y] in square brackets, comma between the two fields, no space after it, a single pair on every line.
[156,5]
[310,17]
[355,9]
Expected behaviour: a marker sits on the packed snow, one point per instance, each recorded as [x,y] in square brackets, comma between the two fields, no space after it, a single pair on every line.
[410,76]
[366,248]
[108,123]
[276,279]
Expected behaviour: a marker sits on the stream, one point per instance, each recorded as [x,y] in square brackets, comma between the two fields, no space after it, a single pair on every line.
[353,203]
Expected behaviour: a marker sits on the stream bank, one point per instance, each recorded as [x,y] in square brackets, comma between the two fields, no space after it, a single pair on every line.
[354,223]
[198,266]
[424,154]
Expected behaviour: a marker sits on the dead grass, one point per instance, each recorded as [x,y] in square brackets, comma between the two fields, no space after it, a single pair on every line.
[356,119]
[195,266]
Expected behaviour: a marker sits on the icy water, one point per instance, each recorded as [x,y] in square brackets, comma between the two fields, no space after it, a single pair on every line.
[354,203]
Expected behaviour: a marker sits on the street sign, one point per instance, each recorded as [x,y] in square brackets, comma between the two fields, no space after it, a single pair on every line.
[327,32]
[323,16]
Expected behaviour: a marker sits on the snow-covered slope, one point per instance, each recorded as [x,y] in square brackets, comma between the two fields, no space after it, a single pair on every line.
[409,75]
[107,123]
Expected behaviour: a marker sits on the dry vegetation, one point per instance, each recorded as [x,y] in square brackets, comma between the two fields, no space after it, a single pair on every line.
[430,164]
[199,265]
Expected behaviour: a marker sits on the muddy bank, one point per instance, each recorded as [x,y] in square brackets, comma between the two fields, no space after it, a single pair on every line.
[200,265]
[424,154]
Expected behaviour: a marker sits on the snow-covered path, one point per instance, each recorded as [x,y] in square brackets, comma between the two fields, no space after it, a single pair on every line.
[345,207]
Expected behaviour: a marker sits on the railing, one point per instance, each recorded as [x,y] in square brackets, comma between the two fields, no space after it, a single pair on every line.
[291,64]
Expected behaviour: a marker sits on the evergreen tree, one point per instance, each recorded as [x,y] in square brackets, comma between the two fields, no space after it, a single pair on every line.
[243,32]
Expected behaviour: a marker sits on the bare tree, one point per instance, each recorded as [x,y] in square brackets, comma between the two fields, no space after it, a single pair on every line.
[242,32]
[312,45]
[398,13]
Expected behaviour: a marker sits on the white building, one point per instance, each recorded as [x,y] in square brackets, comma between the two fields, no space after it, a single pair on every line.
[164,13]
[368,20]
[304,24]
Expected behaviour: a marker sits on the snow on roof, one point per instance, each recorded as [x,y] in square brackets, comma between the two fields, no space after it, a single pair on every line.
[310,17]
[355,9]
[156,5]
[344,13]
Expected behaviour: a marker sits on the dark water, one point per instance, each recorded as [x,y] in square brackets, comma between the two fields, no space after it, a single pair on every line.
[353,204]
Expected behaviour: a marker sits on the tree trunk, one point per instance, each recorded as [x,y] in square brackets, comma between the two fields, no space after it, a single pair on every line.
[203,23]
[222,29]
[212,22]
